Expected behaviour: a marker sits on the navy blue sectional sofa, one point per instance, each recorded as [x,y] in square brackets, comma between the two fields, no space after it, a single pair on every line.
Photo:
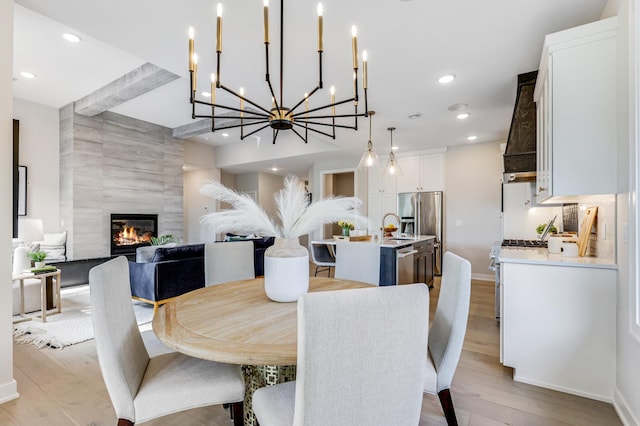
[172,271]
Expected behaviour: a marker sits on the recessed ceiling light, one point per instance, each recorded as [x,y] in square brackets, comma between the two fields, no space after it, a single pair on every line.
[27,74]
[472,138]
[458,107]
[71,37]
[414,115]
[225,135]
[206,94]
[462,116]
[395,148]
[274,169]
[446,78]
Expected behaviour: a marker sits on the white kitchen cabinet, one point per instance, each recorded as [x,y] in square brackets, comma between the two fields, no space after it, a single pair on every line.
[422,173]
[558,327]
[575,98]
[382,199]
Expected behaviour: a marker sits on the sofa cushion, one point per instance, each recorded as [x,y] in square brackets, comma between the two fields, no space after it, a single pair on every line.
[178,253]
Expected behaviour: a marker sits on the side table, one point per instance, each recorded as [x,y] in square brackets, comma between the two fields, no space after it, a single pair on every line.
[52,277]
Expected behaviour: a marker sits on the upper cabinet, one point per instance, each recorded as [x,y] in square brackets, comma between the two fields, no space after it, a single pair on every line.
[576,112]
[422,173]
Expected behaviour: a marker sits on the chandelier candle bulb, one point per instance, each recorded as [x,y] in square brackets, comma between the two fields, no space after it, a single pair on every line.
[242,102]
[354,46]
[219,29]
[195,74]
[364,70]
[320,29]
[333,100]
[213,88]
[191,48]
[266,21]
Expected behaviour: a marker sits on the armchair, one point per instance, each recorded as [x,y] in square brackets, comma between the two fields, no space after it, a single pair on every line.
[172,271]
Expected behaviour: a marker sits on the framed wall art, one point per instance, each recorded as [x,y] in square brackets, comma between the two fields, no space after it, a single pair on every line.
[22,190]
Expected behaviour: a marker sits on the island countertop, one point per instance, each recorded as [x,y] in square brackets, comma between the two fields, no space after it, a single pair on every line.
[396,242]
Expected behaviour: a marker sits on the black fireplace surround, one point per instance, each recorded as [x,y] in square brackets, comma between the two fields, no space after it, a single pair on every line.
[130,231]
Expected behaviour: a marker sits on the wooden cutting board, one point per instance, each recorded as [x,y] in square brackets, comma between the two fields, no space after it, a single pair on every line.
[585,230]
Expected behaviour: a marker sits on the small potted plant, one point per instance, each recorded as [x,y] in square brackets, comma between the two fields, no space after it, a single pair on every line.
[38,258]
[346,227]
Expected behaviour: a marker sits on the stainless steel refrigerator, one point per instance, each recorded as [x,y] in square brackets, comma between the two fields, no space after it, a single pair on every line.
[421,214]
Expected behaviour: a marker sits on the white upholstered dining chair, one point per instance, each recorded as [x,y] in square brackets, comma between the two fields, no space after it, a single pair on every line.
[358,261]
[356,366]
[228,261]
[447,332]
[143,388]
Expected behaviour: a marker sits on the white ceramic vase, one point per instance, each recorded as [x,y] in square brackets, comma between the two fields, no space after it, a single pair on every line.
[286,270]
[39,264]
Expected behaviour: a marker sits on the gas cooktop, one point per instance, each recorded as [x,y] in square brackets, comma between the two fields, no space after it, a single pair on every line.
[523,243]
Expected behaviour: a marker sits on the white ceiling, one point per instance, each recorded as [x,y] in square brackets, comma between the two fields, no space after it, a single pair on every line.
[411,43]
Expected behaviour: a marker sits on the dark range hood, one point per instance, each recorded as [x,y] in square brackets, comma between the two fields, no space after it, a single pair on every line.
[520,154]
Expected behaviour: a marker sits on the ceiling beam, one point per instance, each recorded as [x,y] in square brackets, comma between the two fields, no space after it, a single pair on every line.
[143,79]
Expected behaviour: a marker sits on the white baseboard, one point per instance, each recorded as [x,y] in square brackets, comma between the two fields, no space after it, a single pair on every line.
[483,277]
[622,408]
[9,391]
[552,386]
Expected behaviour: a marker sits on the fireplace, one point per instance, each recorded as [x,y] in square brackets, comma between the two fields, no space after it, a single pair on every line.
[130,231]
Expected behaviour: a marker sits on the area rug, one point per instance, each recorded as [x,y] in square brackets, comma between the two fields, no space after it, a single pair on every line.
[74,324]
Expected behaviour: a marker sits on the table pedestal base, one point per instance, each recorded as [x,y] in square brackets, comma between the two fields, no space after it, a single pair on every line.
[259,376]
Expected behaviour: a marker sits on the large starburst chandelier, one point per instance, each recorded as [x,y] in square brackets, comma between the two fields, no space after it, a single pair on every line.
[298,118]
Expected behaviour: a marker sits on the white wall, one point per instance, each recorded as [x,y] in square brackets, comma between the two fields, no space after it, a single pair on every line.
[627,392]
[8,386]
[472,203]
[202,157]
[40,152]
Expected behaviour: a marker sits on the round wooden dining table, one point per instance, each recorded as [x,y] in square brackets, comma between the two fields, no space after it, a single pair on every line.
[237,323]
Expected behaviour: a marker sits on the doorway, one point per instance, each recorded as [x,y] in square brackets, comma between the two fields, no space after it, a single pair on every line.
[338,183]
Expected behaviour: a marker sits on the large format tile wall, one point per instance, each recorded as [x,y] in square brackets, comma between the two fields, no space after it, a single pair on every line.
[110,163]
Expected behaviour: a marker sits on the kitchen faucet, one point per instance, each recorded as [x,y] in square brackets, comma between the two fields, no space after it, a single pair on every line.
[391,214]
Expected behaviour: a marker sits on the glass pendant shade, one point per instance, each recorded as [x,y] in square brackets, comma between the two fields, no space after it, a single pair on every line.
[392,168]
[369,158]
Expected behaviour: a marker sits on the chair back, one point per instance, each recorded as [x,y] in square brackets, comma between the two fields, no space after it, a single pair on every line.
[361,356]
[358,261]
[121,352]
[321,255]
[228,261]
[447,332]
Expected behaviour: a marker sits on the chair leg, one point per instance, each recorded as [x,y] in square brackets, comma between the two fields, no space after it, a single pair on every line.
[447,407]
[237,409]
[125,422]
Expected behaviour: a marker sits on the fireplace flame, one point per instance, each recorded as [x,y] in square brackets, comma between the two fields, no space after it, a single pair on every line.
[129,236]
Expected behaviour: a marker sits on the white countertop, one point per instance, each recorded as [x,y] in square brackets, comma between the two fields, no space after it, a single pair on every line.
[541,256]
[404,241]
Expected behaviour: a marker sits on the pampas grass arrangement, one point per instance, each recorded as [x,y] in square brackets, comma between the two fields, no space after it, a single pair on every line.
[296,216]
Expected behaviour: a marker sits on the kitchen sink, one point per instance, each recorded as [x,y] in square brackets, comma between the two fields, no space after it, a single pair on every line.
[401,238]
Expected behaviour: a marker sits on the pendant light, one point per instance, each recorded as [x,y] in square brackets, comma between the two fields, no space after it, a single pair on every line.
[369,157]
[392,168]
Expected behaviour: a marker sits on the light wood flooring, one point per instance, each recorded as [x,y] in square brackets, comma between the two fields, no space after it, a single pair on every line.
[65,387]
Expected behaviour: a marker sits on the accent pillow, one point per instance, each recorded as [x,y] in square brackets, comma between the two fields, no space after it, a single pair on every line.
[59,239]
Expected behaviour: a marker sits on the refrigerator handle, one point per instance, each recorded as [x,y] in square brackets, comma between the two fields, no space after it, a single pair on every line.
[418,226]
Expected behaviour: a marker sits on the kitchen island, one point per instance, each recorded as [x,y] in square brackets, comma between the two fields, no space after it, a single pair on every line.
[557,322]
[391,248]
